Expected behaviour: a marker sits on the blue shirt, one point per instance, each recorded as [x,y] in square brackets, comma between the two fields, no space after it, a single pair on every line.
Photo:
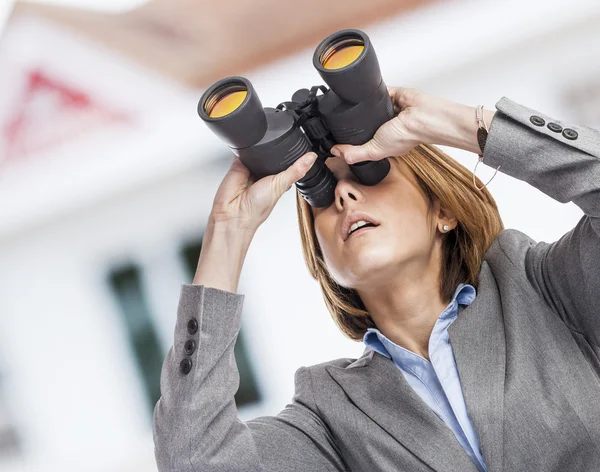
[437,382]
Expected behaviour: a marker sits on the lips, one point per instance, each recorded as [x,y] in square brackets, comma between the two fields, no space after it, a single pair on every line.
[353,218]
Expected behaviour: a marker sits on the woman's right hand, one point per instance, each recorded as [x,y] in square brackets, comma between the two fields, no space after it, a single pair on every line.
[244,202]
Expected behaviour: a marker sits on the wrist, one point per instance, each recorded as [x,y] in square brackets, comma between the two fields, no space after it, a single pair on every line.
[455,125]
[224,248]
[464,127]
[230,226]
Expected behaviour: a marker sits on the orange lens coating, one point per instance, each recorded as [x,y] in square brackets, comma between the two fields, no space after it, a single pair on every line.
[343,57]
[227,104]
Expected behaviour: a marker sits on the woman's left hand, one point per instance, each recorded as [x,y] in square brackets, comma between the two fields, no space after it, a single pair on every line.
[420,118]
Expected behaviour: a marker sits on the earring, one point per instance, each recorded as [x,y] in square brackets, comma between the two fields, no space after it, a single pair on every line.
[446,227]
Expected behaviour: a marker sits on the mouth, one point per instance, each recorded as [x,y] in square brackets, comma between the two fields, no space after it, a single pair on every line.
[361,230]
[355,224]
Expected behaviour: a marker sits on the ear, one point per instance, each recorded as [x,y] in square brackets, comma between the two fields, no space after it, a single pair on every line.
[444,216]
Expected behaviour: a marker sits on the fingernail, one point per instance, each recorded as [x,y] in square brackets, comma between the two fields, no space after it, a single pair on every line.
[309,158]
[335,152]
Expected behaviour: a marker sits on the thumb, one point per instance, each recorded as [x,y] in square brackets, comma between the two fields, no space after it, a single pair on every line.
[296,171]
[369,151]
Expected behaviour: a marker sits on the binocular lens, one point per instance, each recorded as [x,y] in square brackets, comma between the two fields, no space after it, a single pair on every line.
[342,54]
[347,63]
[232,110]
[225,101]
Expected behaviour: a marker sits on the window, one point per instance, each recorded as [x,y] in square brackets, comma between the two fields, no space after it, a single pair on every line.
[10,442]
[137,320]
[247,392]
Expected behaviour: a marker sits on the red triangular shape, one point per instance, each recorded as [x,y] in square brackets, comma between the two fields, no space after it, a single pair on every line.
[50,113]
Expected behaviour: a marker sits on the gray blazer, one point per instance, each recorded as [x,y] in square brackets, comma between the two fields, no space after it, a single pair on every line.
[527,351]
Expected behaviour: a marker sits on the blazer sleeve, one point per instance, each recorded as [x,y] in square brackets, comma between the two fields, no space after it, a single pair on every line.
[195,422]
[564,163]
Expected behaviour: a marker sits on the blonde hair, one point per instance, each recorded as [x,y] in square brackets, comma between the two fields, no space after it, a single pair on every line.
[438,176]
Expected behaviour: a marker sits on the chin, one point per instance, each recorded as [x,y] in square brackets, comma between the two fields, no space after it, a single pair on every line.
[367,264]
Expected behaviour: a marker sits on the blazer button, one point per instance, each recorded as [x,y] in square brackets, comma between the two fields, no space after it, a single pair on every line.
[537,120]
[570,133]
[185,366]
[192,326]
[189,347]
[554,127]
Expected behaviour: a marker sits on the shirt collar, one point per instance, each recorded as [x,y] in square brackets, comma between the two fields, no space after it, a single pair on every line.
[463,295]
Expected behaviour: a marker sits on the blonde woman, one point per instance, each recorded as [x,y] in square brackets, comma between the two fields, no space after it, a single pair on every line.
[482,346]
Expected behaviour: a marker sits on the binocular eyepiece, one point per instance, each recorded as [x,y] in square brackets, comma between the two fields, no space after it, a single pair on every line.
[269,140]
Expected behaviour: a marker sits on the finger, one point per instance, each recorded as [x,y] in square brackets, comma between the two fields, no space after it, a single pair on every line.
[369,151]
[238,174]
[238,166]
[296,171]
[400,96]
[406,97]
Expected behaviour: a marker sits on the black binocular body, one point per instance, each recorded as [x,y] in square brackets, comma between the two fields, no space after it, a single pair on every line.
[269,140]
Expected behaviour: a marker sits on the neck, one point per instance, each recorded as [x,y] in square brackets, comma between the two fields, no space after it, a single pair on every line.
[406,308]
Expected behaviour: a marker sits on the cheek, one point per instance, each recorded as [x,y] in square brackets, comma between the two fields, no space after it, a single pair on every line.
[326,237]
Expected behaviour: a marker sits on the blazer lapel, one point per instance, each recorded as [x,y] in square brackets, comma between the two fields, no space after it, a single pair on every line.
[479,346]
[380,390]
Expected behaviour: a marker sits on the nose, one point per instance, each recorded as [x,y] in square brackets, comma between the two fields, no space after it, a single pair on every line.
[346,191]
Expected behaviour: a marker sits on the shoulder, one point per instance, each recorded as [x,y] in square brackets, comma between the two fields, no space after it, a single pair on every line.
[319,372]
[307,377]
[341,362]
[509,248]
[315,372]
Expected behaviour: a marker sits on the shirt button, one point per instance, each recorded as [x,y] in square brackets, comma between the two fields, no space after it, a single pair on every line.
[554,127]
[192,326]
[570,133]
[537,120]
[189,347]
[185,366]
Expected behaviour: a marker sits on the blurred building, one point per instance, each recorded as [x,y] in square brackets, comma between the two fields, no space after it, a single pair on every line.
[107,177]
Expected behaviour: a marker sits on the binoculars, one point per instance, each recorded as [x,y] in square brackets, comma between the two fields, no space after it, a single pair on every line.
[269,140]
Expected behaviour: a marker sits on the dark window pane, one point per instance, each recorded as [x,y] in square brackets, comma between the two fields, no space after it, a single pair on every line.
[143,339]
[10,441]
[248,390]
[191,253]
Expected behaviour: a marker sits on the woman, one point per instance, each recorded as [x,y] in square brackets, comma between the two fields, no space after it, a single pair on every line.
[482,345]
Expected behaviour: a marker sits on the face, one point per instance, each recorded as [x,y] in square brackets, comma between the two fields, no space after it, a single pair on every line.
[404,242]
